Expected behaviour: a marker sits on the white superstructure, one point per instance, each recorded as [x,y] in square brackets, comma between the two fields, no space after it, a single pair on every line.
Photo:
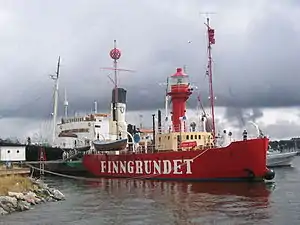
[80,131]
[121,123]
[118,125]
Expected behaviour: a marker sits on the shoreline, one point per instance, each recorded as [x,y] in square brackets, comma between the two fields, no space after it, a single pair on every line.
[21,193]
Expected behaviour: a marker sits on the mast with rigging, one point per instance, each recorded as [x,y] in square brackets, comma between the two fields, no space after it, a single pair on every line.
[211,41]
[115,54]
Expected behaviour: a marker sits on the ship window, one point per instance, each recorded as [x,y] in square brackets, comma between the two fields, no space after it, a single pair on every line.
[199,136]
[18,151]
[159,139]
[97,126]
[192,137]
[8,151]
[195,137]
[168,137]
[187,137]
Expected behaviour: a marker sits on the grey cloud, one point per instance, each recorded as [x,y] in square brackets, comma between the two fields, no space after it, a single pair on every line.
[282,129]
[239,116]
[262,72]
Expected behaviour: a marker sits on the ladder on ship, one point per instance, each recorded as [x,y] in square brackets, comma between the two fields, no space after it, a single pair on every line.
[42,159]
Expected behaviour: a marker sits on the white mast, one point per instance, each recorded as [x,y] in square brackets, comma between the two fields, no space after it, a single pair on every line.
[166,125]
[166,106]
[66,103]
[55,78]
[95,107]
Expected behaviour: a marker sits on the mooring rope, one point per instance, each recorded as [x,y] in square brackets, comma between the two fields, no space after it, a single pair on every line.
[64,175]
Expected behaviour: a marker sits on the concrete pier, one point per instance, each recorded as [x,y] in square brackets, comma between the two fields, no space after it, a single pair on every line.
[15,170]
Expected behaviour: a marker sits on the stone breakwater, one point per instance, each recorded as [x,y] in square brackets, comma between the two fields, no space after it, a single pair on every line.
[21,201]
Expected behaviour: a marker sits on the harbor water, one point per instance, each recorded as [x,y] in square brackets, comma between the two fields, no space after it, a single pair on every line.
[122,201]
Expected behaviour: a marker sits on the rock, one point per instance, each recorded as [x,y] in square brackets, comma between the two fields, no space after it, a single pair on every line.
[57,194]
[43,192]
[40,192]
[9,200]
[23,205]
[8,207]
[32,198]
[40,183]
[3,212]
[37,200]
[17,195]
[9,204]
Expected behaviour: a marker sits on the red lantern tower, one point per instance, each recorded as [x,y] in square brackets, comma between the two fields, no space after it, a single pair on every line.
[179,93]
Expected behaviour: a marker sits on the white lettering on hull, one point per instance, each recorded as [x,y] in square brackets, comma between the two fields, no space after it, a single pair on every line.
[147,166]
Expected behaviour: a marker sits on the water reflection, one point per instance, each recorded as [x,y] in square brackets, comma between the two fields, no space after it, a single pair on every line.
[193,202]
[215,188]
[125,201]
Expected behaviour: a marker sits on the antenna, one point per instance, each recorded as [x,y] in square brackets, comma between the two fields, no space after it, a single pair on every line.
[207,13]
[115,54]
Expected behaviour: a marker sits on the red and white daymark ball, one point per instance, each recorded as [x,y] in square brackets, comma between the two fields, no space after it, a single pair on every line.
[115,53]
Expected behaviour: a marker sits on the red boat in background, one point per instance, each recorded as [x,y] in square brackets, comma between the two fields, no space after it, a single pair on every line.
[181,152]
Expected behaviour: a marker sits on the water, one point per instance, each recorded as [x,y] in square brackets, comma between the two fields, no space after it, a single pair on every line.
[114,201]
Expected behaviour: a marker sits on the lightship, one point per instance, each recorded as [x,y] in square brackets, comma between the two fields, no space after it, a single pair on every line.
[180,152]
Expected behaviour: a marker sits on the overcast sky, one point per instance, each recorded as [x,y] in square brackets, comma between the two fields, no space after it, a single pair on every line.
[255,56]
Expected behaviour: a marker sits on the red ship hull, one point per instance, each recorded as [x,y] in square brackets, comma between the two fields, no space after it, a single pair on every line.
[242,160]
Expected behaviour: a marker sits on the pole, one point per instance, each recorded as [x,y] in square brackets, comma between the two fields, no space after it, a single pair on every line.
[55,78]
[66,104]
[153,127]
[210,39]
[116,90]
[115,54]
[141,121]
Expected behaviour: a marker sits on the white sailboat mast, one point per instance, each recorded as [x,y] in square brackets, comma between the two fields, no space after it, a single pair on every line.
[55,106]
[95,107]
[66,104]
